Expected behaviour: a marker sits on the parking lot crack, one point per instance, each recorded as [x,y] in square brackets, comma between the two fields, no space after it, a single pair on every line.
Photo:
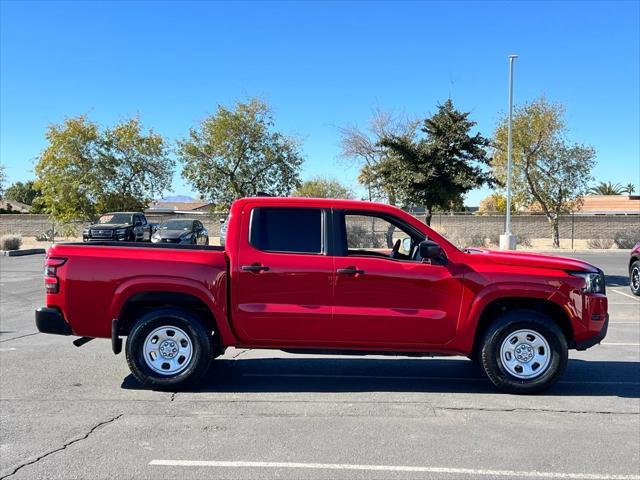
[542,410]
[21,336]
[63,447]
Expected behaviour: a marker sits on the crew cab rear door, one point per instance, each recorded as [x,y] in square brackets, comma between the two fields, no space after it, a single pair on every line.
[390,301]
[282,277]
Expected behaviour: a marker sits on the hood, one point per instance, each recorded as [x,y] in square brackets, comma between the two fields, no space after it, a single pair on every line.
[534,260]
[109,226]
[172,234]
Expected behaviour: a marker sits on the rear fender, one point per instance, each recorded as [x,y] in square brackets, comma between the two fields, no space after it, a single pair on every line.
[216,303]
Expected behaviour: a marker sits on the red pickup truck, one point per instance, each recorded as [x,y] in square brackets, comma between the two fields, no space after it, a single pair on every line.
[325,276]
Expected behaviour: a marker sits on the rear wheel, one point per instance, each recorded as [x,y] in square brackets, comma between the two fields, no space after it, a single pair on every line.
[634,278]
[169,349]
[524,352]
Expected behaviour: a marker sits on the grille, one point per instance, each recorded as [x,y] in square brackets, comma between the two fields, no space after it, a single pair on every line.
[101,233]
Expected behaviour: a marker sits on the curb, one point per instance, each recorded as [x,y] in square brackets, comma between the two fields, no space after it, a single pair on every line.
[20,253]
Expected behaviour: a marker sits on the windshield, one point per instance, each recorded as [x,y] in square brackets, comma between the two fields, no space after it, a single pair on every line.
[115,218]
[177,225]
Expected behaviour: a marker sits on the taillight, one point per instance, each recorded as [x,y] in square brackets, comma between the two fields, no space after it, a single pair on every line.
[51,281]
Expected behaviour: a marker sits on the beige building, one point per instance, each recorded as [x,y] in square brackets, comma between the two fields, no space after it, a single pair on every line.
[611,204]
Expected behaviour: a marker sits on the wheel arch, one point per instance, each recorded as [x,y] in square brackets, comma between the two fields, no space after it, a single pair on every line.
[494,308]
[142,294]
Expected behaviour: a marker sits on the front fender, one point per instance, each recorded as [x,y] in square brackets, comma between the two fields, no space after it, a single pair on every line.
[468,325]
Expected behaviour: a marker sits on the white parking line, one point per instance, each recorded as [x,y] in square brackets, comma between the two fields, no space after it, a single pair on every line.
[399,377]
[620,344]
[626,295]
[393,468]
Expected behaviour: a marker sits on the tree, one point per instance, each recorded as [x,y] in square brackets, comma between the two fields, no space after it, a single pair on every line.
[22,192]
[495,203]
[365,148]
[629,189]
[547,170]
[3,179]
[85,170]
[320,187]
[236,153]
[438,169]
[607,188]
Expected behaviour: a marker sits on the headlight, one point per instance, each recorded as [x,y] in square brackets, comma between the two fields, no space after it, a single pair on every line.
[121,231]
[85,232]
[594,282]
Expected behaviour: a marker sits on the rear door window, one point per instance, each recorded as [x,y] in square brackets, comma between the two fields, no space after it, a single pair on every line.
[294,230]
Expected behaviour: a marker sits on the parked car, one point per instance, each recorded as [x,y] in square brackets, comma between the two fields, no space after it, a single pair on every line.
[183,231]
[119,226]
[634,270]
[312,276]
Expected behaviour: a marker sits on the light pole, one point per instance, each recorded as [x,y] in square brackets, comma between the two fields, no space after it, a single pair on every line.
[508,240]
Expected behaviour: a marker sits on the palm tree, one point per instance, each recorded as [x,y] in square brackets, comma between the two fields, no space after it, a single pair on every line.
[630,188]
[607,188]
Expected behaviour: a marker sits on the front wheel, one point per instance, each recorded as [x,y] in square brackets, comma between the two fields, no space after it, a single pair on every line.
[634,278]
[168,349]
[524,352]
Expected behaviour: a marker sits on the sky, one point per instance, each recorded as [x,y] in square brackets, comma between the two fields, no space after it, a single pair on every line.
[320,65]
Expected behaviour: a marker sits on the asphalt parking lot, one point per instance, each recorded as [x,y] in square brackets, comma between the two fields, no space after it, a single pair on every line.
[68,412]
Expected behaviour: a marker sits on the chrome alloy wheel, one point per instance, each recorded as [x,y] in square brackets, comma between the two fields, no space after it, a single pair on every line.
[525,354]
[635,278]
[167,350]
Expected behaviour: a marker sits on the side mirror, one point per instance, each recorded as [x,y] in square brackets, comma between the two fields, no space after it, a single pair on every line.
[430,249]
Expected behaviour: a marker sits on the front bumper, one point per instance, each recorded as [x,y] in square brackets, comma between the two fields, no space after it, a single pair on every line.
[50,320]
[590,342]
[119,238]
[174,241]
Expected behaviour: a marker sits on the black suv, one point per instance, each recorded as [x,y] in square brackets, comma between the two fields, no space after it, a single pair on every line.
[120,226]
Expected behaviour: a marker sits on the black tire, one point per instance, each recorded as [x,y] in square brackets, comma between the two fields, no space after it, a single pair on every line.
[508,324]
[634,277]
[201,349]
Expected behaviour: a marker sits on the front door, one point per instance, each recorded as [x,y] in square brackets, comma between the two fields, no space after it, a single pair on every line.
[283,277]
[389,295]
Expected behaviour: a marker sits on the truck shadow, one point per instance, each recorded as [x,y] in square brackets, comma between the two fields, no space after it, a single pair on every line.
[616,280]
[343,375]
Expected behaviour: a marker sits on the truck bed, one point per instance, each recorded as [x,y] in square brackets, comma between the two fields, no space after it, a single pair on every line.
[103,276]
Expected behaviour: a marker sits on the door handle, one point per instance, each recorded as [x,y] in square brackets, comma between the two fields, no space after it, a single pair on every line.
[254,268]
[350,271]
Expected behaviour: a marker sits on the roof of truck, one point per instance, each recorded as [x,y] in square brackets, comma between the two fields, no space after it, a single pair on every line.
[317,202]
